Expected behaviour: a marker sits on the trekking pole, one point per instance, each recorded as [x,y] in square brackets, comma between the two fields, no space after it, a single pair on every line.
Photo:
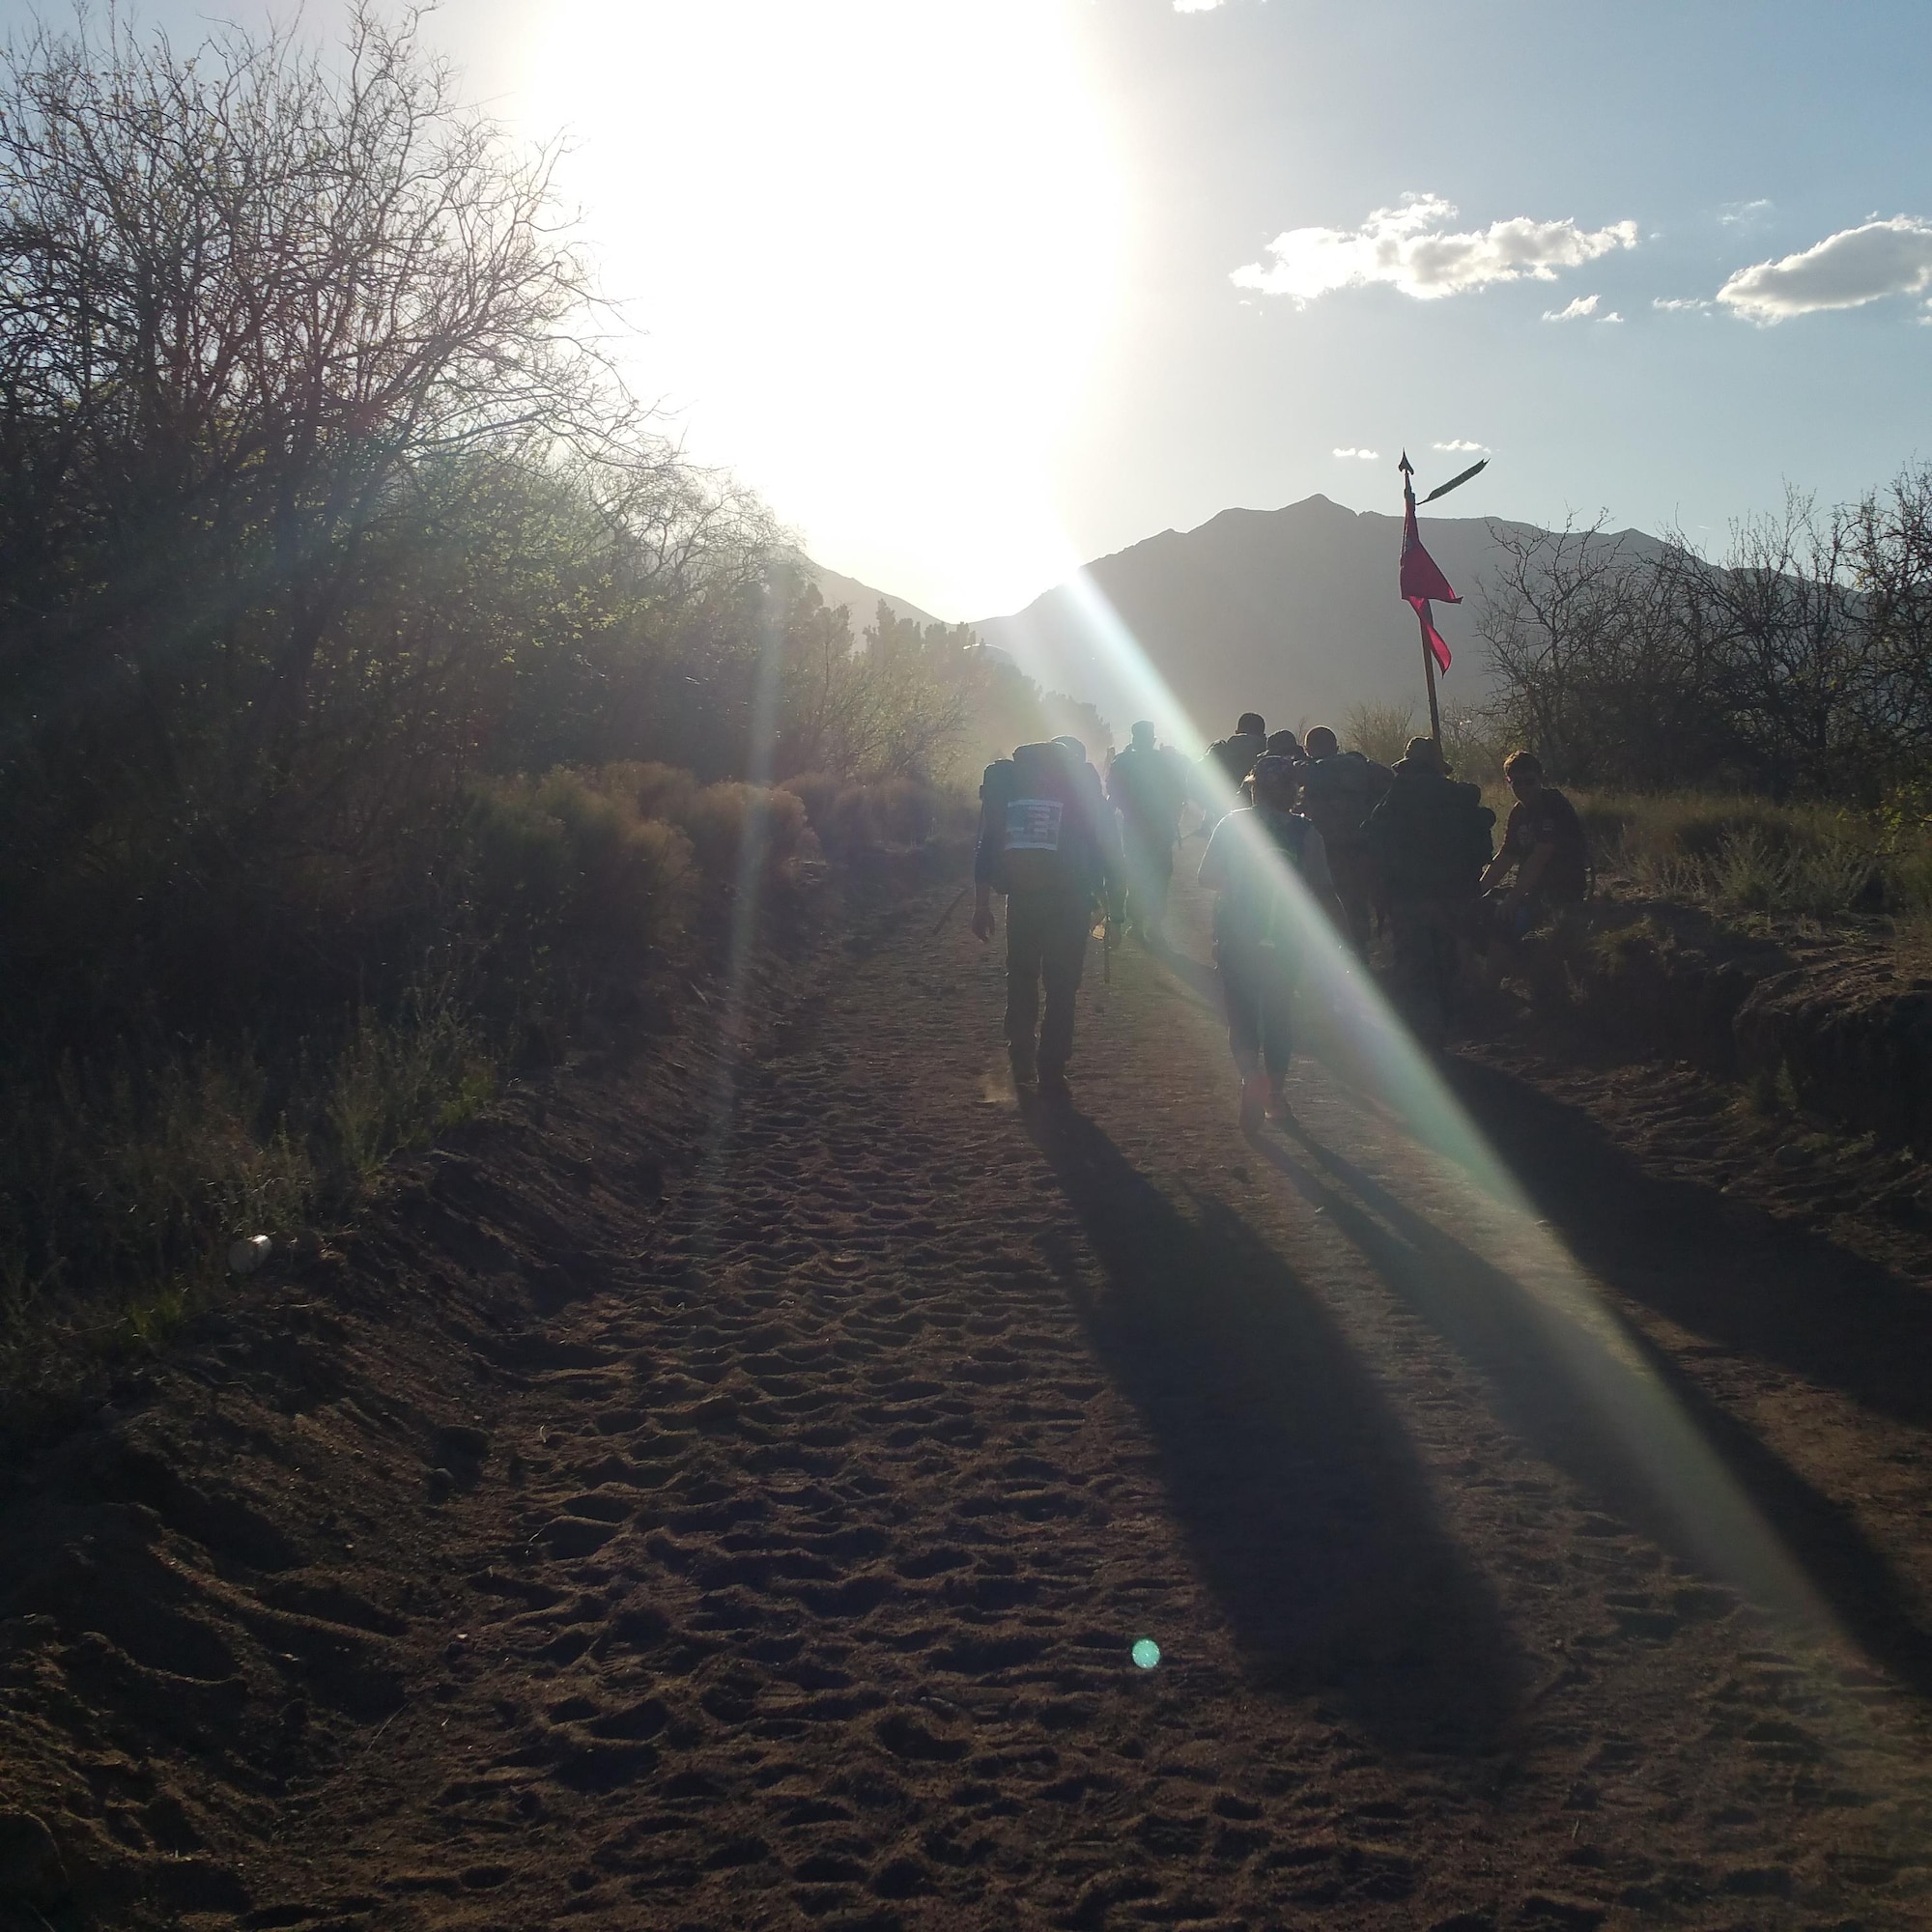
[950,909]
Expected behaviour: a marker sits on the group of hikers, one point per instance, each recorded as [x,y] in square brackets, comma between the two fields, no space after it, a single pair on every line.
[1404,850]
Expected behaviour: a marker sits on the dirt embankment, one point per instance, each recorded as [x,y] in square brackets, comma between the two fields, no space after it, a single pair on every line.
[727,1490]
[221,1589]
[1825,1024]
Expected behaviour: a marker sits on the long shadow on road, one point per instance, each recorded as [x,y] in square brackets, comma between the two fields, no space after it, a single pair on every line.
[1306,1508]
[1577,1421]
[1717,1269]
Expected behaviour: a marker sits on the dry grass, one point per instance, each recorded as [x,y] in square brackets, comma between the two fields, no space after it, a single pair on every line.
[1751,856]
[129,1162]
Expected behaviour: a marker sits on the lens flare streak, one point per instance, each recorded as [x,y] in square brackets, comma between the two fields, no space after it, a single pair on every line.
[1520,1272]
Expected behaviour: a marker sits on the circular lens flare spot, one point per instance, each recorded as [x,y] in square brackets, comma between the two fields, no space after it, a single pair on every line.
[1146,1653]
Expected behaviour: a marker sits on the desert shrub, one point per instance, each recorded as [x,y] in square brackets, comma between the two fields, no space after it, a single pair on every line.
[898,813]
[723,822]
[398,1083]
[1750,874]
[657,790]
[562,860]
[818,793]
[740,830]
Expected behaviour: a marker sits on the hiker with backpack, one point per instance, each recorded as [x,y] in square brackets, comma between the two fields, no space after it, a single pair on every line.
[1046,841]
[1226,765]
[1147,785]
[1430,836]
[1339,790]
[1260,928]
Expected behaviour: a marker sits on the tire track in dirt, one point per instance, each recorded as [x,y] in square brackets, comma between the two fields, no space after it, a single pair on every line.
[797,1582]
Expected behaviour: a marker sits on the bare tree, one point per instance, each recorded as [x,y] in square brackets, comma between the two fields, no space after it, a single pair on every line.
[1797,665]
[248,300]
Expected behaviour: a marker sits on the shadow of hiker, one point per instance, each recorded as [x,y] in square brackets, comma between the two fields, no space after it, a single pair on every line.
[1580,1421]
[1305,1506]
[1716,1267]
[1196,976]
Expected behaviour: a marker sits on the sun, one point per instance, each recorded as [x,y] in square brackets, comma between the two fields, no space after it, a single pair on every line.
[872,247]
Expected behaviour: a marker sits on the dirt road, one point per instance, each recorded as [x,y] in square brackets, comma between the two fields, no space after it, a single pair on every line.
[791,1574]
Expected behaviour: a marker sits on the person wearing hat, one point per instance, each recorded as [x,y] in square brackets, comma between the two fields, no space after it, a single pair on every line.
[1260,925]
[1228,763]
[1147,785]
[1430,836]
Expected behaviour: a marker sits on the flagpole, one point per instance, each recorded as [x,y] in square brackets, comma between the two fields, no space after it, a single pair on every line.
[1427,656]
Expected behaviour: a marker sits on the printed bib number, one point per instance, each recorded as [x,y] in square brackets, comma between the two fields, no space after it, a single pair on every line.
[1032,825]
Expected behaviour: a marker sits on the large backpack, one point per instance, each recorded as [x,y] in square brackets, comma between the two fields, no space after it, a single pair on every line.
[1263,912]
[1287,833]
[1338,794]
[1039,807]
[1148,786]
[1431,836]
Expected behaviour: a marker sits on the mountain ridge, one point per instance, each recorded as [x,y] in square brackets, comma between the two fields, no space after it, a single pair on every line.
[1294,612]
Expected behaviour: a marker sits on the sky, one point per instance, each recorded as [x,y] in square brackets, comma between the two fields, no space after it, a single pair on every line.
[973,290]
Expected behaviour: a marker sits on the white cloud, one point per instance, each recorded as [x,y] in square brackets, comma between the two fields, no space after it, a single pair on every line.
[1845,270]
[1366,455]
[1673,304]
[1195,6]
[1458,445]
[1584,306]
[1744,212]
[1411,249]
[1614,316]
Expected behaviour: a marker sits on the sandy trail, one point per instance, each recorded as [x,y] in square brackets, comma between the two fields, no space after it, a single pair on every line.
[799,1586]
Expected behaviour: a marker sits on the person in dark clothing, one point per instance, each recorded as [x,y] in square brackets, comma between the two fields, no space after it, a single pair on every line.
[1147,785]
[1259,930]
[1339,789]
[1430,836]
[1543,843]
[1046,841]
[1229,759]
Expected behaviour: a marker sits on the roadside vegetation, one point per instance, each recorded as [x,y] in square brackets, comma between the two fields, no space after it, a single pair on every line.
[383,695]
[1749,733]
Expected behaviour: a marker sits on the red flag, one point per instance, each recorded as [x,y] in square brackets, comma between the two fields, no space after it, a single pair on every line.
[1422,579]
[1430,635]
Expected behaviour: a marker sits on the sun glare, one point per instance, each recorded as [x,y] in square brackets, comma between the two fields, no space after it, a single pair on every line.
[872,247]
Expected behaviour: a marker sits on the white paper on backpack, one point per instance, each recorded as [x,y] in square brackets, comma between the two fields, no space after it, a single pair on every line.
[1033,824]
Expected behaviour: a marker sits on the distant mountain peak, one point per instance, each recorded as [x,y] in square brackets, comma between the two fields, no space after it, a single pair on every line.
[1294,612]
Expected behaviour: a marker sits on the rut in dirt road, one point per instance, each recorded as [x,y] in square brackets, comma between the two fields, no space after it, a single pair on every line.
[799,1582]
